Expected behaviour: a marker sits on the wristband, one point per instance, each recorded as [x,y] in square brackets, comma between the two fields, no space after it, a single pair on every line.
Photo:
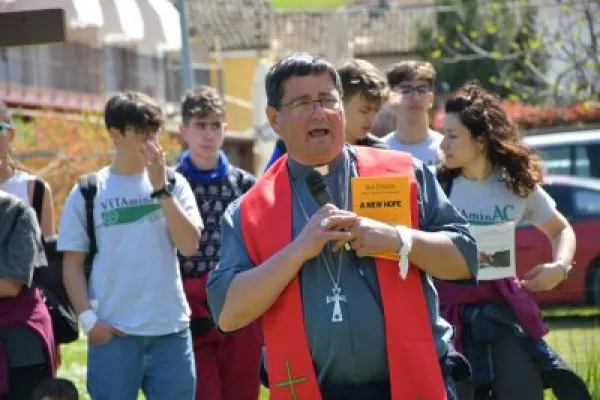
[87,319]
[407,241]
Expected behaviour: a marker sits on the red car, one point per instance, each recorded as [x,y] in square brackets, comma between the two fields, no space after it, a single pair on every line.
[578,199]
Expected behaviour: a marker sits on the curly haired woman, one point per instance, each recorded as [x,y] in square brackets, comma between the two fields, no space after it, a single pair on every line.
[492,178]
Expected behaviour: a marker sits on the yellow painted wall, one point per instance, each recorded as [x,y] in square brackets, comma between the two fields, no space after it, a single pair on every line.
[238,81]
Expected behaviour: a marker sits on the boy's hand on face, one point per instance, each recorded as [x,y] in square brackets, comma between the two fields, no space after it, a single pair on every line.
[154,158]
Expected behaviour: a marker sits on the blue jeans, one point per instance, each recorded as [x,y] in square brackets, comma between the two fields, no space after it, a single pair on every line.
[162,366]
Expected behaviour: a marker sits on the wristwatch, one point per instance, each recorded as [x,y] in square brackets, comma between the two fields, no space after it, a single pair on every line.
[166,191]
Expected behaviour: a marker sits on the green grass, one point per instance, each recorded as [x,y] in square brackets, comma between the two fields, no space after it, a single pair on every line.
[73,367]
[577,341]
[571,312]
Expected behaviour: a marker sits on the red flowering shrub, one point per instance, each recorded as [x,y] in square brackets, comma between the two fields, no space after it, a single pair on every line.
[534,117]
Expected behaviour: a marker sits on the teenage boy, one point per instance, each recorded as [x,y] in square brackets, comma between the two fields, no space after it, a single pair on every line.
[365,91]
[412,84]
[226,365]
[134,310]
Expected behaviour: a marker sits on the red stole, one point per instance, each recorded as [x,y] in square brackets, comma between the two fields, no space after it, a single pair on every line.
[266,218]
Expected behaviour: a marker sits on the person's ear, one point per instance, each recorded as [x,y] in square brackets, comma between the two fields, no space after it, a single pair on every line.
[116,136]
[183,132]
[273,117]
[481,143]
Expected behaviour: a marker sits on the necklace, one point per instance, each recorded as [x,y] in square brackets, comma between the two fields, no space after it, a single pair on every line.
[336,289]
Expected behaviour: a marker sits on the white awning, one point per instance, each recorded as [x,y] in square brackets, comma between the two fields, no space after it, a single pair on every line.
[123,23]
[162,28]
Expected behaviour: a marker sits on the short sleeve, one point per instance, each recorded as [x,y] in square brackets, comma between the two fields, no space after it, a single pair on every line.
[24,252]
[72,235]
[185,196]
[540,207]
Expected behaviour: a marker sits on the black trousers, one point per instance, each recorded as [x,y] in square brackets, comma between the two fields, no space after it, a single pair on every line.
[23,381]
[516,377]
[375,391]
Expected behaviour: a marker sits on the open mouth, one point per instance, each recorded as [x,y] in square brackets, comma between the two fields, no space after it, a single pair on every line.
[318,133]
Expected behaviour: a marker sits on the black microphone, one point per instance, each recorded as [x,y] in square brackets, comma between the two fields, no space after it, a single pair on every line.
[318,188]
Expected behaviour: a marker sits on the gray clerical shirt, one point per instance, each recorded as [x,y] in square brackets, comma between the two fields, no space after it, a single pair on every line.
[352,351]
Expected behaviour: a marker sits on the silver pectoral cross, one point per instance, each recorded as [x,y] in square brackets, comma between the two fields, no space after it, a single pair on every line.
[336,298]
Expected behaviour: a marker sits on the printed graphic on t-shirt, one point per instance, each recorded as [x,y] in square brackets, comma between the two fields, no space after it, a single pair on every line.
[122,210]
[493,216]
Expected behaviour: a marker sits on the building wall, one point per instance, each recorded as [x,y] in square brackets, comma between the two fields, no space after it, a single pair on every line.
[237,85]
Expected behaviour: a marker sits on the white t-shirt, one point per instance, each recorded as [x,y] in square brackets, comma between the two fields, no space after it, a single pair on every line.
[490,202]
[18,185]
[427,151]
[135,283]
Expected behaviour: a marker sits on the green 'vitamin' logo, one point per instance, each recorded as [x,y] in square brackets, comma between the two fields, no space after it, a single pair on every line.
[110,218]
[128,215]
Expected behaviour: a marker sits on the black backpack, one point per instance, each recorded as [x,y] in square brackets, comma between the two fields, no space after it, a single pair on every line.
[50,279]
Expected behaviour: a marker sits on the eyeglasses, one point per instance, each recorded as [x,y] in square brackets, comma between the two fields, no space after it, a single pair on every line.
[4,128]
[407,90]
[306,106]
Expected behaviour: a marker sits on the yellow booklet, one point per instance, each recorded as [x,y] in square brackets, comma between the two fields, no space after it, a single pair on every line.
[383,198]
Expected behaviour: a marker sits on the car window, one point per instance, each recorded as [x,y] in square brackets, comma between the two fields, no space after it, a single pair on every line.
[556,160]
[563,196]
[587,202]
[593,155]
[582,161]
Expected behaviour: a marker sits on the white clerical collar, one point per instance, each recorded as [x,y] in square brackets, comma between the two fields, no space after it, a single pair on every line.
[323,169]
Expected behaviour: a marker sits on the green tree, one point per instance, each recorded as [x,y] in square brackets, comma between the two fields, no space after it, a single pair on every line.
[534,52]
[574,45]
[489,41]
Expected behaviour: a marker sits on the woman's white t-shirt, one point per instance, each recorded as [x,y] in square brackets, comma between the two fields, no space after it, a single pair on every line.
[490,202]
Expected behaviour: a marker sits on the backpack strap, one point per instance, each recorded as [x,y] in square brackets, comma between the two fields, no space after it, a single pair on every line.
[37,202]
[88,186]
[446,183]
